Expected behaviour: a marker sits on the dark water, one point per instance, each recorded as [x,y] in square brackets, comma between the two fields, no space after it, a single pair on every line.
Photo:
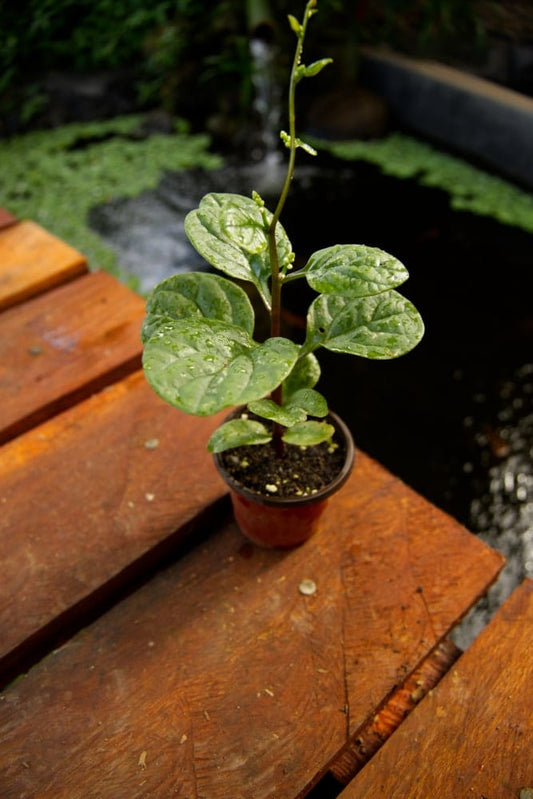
[454,418]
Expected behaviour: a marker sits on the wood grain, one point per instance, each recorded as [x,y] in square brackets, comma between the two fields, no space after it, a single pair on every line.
[33,260]
[90,500]
[62,346]
[402,702]
[472,735]
[6,219]
[219,678]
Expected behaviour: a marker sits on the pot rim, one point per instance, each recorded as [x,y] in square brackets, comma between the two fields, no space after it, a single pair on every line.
[288,502]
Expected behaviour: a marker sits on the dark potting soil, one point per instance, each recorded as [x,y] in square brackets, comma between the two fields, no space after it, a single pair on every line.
[300,472]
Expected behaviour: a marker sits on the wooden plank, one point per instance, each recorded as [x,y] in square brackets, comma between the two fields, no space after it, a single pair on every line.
[402,702]
[472,735]
[6,219]
[219,678]
[85,498]
[60,347]
[32,260]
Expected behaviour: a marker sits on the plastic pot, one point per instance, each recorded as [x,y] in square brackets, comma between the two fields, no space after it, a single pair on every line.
[285,522]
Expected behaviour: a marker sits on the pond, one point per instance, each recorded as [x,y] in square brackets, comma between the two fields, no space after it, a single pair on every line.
[454,418]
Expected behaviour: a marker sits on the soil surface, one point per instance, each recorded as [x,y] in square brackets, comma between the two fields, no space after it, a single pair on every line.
[300,472]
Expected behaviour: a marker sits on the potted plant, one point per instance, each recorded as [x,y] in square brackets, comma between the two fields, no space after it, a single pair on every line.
[282,452]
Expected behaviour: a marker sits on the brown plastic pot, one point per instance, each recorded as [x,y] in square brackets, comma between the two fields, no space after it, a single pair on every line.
[286,522]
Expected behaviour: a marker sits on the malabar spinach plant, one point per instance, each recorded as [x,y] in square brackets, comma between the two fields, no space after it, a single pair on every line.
[199,351]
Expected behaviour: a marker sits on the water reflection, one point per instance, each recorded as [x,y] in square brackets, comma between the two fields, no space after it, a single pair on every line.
[501,466]
[147,232]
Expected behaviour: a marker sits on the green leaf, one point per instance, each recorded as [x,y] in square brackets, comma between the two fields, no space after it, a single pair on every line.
[282,414]
[309,401]
[302,403]
[231,233]
[354,270]
[197,294]
[307,434]
[306,147]
[238,433]
[287,141]
[203,365]
[295,25]
[379,327]
[310,70]
[317,66]
[305,374]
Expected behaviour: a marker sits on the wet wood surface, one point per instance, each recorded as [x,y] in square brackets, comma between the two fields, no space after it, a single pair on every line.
[472,735]
[6,219]
[405,698]
[178,659]
[89,500]
[32,261]
[62,346]
[219,678]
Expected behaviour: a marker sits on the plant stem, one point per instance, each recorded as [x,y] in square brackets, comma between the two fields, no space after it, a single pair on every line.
[276,277]
[272,247]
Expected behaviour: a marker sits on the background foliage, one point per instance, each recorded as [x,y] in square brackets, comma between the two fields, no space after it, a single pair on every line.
[193,59]
[190,57]
[162,45]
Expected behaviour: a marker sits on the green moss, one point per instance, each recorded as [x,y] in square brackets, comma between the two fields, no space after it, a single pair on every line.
[55,177]
[470,189]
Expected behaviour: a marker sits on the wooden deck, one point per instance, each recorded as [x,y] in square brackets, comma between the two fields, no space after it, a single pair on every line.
[472,735]
[33,261]
[162,653]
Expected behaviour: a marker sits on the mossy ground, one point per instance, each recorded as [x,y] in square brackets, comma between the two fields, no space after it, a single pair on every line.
[470,188]
[55,177]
